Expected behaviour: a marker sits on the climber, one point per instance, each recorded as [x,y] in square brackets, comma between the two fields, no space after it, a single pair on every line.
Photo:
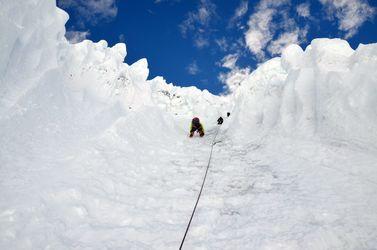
[196,126]
[228,114]
[220,120]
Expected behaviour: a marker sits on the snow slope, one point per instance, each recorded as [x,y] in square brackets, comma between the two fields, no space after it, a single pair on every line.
[95,156]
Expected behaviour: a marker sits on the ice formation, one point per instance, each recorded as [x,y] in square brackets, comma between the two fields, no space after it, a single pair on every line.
[328,90]
[94,155]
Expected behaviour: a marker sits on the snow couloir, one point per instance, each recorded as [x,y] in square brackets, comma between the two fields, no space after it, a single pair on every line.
[90,148]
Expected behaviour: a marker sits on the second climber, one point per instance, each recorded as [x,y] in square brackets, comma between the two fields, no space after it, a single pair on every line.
[220,120]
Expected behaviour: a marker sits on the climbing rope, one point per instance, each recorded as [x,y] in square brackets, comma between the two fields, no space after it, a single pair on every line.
[201,188]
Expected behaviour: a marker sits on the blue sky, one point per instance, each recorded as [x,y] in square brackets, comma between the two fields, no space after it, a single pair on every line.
[213,44]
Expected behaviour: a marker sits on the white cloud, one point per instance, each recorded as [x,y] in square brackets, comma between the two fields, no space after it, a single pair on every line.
[76,36]
[234,78]
[193,68]
[229,61]
[201,42]
[91,10]
[285,39]
[197,23]
[222,43]
[239,12]
[269,25]
[303,10]
[351,14]
[200,18]
[260,30]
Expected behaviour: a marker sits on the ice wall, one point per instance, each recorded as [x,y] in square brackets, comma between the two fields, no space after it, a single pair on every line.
[328,90]
[34,53]
[31,34]
[334,89]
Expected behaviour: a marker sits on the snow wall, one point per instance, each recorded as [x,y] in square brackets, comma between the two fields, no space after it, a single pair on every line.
[62,106]
[329,91]
[46,85]
[60,94]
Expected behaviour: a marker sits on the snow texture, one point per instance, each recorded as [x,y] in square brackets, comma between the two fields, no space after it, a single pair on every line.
[94,155]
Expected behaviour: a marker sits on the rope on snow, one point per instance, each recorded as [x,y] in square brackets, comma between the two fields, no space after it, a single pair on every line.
[201,188]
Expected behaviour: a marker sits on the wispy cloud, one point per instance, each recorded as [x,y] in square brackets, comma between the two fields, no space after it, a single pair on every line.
[235,75]
[193,68]
[222,44]
[233,79]
[351,14]
[290,37]
[261,27]
[239,13]
[92,11]
[265,32]
[197,23]
[229,61]
[122,38]
[76,36]
[303,10]
[201,41]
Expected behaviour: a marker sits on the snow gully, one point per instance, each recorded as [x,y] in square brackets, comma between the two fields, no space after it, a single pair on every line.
[201,188]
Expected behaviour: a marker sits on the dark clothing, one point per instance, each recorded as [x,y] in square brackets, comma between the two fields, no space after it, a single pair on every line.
[220,120]
[196,126]
[228,114]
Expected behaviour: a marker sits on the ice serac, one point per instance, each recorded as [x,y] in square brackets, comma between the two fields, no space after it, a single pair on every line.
[328,91]
[100,71]
[258,100]
[31,34]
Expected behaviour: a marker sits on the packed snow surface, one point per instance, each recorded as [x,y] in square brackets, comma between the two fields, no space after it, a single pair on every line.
[95,156]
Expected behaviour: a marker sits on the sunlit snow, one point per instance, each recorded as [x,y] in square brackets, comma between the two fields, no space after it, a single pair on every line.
[95,156]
